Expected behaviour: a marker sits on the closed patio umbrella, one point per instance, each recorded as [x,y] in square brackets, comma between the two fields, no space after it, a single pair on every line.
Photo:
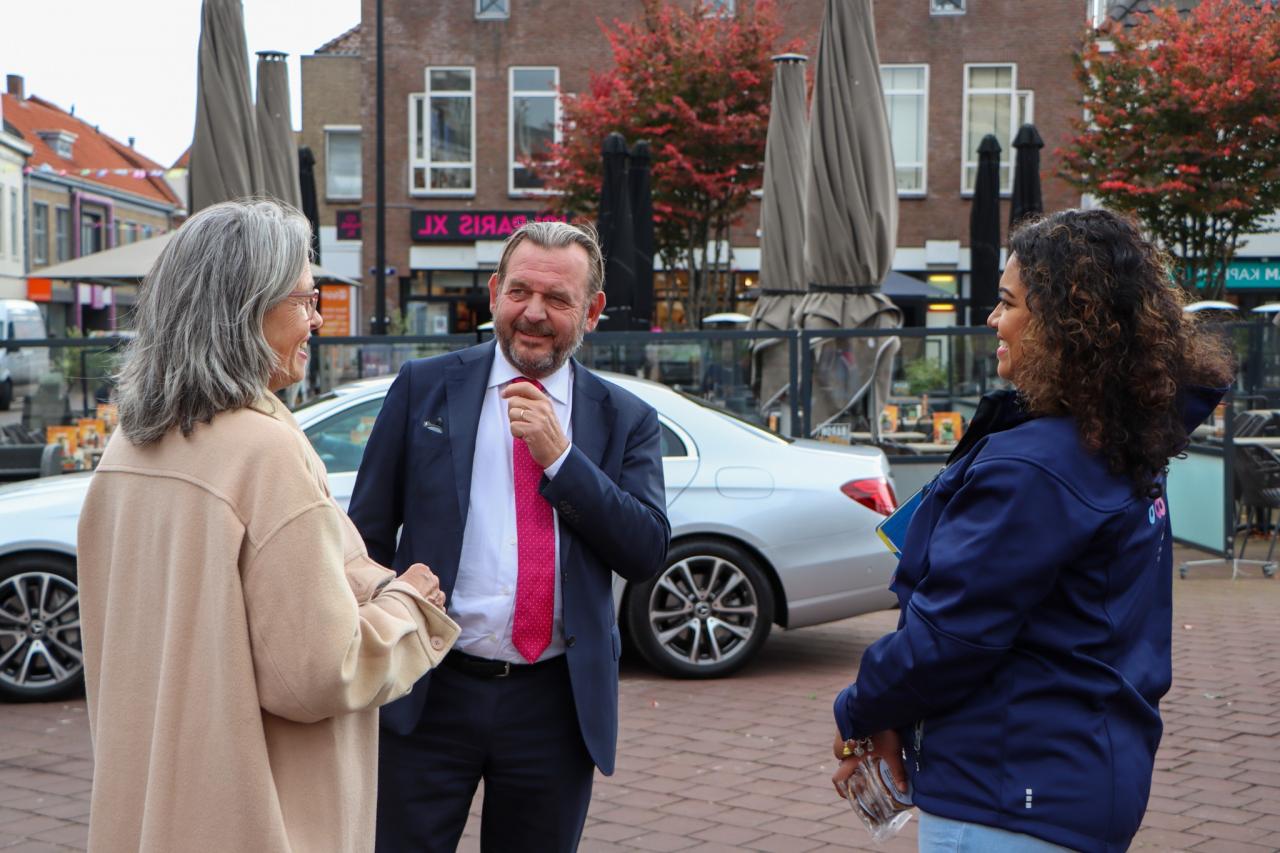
[641,191]
[851,219]
[226,156]
[617,237]
[782,282]
[275,129]
[1026,200]
[310,204]
[984,232]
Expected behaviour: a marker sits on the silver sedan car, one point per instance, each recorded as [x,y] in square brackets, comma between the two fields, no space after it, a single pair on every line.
[765,530]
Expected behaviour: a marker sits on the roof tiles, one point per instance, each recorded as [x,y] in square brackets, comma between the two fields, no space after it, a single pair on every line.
[93,150]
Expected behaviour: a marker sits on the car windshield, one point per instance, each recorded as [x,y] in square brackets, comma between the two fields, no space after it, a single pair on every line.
[315,401]
[738,421]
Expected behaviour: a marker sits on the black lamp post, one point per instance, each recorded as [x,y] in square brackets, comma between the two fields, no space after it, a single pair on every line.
[379,320]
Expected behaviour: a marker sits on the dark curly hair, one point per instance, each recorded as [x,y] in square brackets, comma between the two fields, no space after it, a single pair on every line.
[1108,342]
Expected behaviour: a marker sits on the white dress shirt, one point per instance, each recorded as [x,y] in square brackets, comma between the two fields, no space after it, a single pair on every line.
[484,594]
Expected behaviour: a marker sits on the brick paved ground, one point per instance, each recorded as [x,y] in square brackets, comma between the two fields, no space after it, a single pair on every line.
[741,764]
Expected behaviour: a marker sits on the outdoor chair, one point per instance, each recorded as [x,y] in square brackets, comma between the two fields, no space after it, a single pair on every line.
[1257,474]
[885,351]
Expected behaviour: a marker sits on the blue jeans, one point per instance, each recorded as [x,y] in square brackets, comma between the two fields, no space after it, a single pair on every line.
[943,835]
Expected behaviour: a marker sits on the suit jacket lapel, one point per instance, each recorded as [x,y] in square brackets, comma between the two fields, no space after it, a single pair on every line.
[465,384]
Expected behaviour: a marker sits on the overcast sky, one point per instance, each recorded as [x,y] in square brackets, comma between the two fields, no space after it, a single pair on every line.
[129,66]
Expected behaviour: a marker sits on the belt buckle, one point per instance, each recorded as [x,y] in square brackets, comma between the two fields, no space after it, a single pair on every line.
[506,670]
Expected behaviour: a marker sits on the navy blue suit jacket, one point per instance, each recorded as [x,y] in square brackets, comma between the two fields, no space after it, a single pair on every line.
[609,495]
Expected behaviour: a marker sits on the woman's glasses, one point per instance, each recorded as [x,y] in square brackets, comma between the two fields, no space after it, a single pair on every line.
[309,298]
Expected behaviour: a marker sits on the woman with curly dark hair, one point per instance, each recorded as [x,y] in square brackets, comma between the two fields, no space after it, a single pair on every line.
[1036,576]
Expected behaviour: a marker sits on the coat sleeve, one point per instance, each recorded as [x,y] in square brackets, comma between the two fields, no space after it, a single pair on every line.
[328,635]
[625,523]
[995,552]
[377,499]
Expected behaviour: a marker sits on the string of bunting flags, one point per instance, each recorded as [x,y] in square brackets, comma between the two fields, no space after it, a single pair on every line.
[46,169]
[102,173]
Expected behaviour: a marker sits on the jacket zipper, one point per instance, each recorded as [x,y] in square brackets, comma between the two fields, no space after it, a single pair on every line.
[919,741]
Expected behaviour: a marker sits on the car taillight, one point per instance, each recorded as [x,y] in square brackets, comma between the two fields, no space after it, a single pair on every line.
[874,493]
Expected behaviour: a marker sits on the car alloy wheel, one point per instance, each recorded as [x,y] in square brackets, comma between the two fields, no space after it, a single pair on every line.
[40,654]
[705,614]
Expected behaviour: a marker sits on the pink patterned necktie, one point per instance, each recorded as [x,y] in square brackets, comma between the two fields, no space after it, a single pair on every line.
[535,551]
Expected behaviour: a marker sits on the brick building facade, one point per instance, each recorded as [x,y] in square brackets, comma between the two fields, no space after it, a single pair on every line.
[83,192]
[458,75]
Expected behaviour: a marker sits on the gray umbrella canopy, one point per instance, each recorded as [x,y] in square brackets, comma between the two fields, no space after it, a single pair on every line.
[851,217]
[782,282]
[226,158]
[275,129]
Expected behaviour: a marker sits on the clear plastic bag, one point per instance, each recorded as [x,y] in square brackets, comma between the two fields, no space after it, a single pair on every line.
[877,802]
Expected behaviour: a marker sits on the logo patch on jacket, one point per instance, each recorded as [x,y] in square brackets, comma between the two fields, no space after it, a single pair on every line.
[1158,510]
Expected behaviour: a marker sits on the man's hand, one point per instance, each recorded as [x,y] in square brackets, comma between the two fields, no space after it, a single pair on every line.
[425,582]
[534,421]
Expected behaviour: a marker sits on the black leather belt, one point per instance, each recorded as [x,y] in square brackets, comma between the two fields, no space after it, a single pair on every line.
[485,668]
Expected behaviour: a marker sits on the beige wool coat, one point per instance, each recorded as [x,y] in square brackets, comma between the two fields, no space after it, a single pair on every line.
[237,645]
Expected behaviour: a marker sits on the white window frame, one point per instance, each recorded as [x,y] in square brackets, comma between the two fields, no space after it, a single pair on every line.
[935,9]
[924,129]
[329,129]
[490,14]
[39,242]
[425,162]
[1006,156]
[15,235]
[1024,107]
[1096,12]
[512,94]
[61,216]
[727,8]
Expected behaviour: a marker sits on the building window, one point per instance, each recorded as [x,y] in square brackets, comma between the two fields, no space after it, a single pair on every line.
[724,7]
[493,10]
[2,220]
[990,106]
[1026,107]
[906,100]
[534,122]
[146,232]
[40,233]
[1098,12]
[62,233]
[91,233]
[15,242]
[342,163]
[441,133]
[946,7]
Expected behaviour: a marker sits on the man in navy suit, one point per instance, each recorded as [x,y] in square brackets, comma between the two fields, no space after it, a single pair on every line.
[523,481]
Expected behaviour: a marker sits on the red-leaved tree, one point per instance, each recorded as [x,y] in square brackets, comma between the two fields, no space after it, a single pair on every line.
[696,85]
[1182,128]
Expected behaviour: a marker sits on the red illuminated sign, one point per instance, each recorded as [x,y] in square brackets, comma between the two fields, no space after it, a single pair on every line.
[464,226]
[349,227]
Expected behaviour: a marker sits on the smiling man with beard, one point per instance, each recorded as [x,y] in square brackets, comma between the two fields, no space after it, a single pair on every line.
[523,481]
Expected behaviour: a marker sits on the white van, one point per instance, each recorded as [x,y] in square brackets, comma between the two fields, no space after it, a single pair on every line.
[20,367]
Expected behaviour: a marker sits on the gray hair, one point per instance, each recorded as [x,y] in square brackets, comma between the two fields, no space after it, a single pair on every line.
[558,235]
[200,347]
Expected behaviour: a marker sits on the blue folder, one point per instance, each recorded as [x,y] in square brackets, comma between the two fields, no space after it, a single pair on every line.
[893,530]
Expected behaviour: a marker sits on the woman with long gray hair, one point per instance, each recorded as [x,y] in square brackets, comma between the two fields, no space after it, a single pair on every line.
[238,640]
